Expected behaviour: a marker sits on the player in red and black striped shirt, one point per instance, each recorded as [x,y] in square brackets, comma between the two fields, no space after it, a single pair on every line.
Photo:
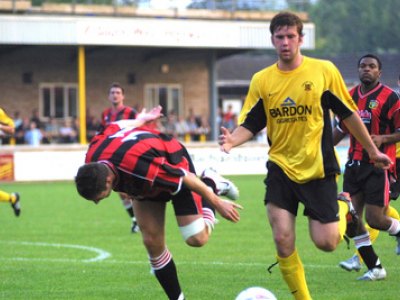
[379,109]
[118,111]
[153,169]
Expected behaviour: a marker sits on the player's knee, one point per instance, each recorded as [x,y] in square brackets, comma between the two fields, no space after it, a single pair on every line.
[375,220]
[283,238]
[285,244]
[197,240]
[194,233]
[152,241]
[327,245]
[374,223]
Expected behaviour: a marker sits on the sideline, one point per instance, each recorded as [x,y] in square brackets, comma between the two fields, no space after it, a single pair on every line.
[101,254]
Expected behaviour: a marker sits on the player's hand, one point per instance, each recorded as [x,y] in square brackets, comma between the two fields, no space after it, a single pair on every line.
[153,114]
[381,160]
[224,140]
[228,210]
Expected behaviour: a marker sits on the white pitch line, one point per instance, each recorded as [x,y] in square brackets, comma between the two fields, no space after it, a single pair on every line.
[101,254]
[205,263]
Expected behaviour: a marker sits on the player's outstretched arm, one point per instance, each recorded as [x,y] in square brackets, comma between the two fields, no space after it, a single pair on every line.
[225,208]
[228,140]
[142,118]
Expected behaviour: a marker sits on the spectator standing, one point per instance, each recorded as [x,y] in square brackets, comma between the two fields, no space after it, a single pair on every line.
[68,133]
[35,118]
[33,136]
[229,118]
[51,131]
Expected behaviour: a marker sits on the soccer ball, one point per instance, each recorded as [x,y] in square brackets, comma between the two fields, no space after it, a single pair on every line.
[255,293]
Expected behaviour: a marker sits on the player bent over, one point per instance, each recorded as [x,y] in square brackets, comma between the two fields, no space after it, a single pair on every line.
[153,169]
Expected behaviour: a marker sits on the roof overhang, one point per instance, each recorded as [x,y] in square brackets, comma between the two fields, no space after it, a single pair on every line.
[147,32]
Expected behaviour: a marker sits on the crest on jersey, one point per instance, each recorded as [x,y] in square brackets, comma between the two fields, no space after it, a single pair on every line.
[373,104]
[308,86]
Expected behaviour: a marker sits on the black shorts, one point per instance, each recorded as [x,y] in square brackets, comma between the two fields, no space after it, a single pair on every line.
[319,196]
[365,178]
[185,202]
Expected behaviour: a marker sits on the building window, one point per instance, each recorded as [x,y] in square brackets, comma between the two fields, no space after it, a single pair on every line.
[169,96]
[58,100]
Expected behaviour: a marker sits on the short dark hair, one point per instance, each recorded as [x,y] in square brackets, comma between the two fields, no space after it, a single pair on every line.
[91,180]
[116,85]
[286,18]
[371,56]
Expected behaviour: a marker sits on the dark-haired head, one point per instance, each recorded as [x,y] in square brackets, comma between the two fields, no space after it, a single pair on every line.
[285,18]
[91,180]
[116,85]
[370,56]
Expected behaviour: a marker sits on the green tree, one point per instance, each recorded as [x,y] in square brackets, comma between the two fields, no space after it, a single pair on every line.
[344,26]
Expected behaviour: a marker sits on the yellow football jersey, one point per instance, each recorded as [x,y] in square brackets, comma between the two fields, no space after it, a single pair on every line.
[296,118]
[5,119]
[398,150]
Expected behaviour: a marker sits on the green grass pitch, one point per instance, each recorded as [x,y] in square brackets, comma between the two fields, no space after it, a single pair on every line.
[54,251]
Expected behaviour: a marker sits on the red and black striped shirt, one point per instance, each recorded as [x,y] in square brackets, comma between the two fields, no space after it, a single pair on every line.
[124,113]
[145,161]
[379,110]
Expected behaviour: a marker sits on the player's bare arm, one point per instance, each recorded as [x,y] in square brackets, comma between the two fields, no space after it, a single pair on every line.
[386,139]
[142,118]
[228,140]
[359,131]
[227,209]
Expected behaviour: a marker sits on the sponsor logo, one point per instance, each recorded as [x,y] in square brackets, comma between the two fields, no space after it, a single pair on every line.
[365,116]
[289,112]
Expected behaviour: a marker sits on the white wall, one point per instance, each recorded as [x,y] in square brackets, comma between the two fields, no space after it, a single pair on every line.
[61,163]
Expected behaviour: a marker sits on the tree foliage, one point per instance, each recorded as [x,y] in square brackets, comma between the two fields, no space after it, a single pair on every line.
[344,26]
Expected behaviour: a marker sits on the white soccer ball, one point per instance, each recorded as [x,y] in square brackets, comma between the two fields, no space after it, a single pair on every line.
[255,293]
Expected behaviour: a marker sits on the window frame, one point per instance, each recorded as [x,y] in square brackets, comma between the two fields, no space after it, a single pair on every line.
[67,105]
[152,97]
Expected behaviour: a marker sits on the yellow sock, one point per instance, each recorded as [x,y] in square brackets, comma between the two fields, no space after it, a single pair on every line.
[373,233]
[343,210]
[392,212]
[6,197]
[293,273]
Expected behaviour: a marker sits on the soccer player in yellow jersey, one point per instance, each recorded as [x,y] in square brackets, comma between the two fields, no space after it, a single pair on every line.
[7,127]
[292,99]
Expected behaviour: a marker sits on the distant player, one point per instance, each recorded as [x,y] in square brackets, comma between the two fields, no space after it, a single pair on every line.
[154,169]
[118,111]
[7,127]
